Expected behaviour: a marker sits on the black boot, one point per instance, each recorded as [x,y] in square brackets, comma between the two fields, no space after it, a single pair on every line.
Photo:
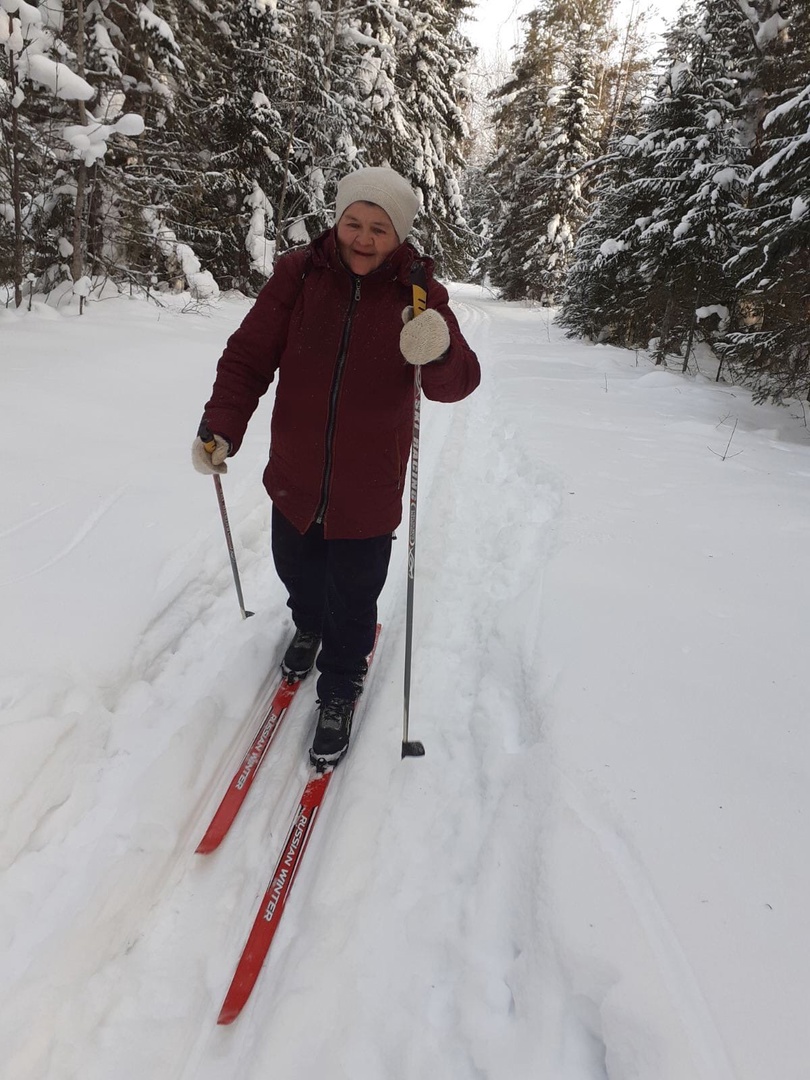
[300,654]
[332,733]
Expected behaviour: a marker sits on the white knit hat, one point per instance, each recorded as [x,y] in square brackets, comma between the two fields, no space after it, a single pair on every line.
[385,188]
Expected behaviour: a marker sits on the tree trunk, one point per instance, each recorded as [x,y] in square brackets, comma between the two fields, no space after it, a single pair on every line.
[281,239]
[77,260]
[622,78]
[661,351]
[330,49]
[692,327]
[282,199]
[16,194]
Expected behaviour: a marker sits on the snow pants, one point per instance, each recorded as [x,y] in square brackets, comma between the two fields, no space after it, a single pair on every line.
[333,587]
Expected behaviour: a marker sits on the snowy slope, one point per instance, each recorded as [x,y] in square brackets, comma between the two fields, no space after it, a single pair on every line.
[599,868]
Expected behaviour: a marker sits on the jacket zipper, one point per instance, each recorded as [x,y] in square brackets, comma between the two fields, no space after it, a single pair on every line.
[333,400]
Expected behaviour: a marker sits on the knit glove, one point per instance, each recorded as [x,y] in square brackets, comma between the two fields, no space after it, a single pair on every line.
[214,462]
[425,338]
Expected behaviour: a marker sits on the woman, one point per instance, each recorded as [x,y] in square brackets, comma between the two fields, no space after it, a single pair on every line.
[334,321]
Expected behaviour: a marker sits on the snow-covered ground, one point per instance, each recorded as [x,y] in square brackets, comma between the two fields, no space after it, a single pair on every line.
[600,868]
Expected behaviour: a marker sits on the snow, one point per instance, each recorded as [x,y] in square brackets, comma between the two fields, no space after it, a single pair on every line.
[57,77]
[597,870]
[89,141]
[786,107]
[30,17]
[611,247]
[106,50]
[149,20]
[769,29]
[259,247]
[726,177]
[720,310]
[180,258]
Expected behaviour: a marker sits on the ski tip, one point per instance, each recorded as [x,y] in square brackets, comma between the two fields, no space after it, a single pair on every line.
[413,749]
[227,1014]
[208,844]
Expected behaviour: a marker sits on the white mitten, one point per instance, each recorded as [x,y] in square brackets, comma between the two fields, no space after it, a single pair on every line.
[214,462]
[425,338]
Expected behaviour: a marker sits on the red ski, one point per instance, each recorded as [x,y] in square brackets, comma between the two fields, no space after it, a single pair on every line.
[275,897]
[246,773]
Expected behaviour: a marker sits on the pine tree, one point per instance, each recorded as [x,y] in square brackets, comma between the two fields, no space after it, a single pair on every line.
[684,180]
[605,292]
[773,267]
[547,127]
[277,143]
[560,174]
[132,57]
[520,125]
[39,91]
[371,35]
[94,74]
[215,132]
[403,71]
[432,85]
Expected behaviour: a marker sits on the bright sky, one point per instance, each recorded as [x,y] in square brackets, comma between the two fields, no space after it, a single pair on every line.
[496,26]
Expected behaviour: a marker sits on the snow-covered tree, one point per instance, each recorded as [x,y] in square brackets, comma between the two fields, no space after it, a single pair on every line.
[547,125]
[371,34]
[402,71]
[772,270]
[433,88]
[561,172]
[40,92]
[683,180]
[145,137]
[604,290]
[89,78]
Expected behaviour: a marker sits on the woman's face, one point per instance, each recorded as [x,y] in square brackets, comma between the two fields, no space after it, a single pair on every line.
[366,237]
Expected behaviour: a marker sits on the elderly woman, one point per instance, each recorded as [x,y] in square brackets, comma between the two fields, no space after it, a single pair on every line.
[334,322]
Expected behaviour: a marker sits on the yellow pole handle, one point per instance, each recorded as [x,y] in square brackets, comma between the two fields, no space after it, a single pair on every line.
[419,300]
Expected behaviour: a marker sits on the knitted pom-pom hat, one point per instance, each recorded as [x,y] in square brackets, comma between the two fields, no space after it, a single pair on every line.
[385,188]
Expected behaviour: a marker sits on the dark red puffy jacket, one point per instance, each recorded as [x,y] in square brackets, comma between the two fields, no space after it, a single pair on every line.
[343,416]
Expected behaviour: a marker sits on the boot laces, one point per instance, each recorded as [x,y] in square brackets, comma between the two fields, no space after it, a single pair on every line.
[335,715]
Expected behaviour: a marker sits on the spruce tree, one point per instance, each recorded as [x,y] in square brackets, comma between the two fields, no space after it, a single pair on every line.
[432,84]
[672,214]
[772,270]
[403,70]
[371,35]
[605,291]
[520,120]
[560,175]
[547,125]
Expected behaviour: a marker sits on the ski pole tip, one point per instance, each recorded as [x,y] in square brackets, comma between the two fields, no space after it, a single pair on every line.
[413,749]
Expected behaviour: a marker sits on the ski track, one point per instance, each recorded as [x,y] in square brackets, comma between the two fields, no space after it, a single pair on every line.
[97,821]
[81,534]
[709,1053]
[27,522]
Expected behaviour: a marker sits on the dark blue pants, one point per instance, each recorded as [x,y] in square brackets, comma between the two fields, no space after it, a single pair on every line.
[333,586]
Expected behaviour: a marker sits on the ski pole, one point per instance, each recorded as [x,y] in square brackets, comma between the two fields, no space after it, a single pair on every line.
[412,748]
[210,445]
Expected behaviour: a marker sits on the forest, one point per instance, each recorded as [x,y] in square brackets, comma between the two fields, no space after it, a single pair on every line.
[655,191]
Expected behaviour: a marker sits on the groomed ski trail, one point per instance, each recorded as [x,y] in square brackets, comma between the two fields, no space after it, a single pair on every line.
[442,927]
